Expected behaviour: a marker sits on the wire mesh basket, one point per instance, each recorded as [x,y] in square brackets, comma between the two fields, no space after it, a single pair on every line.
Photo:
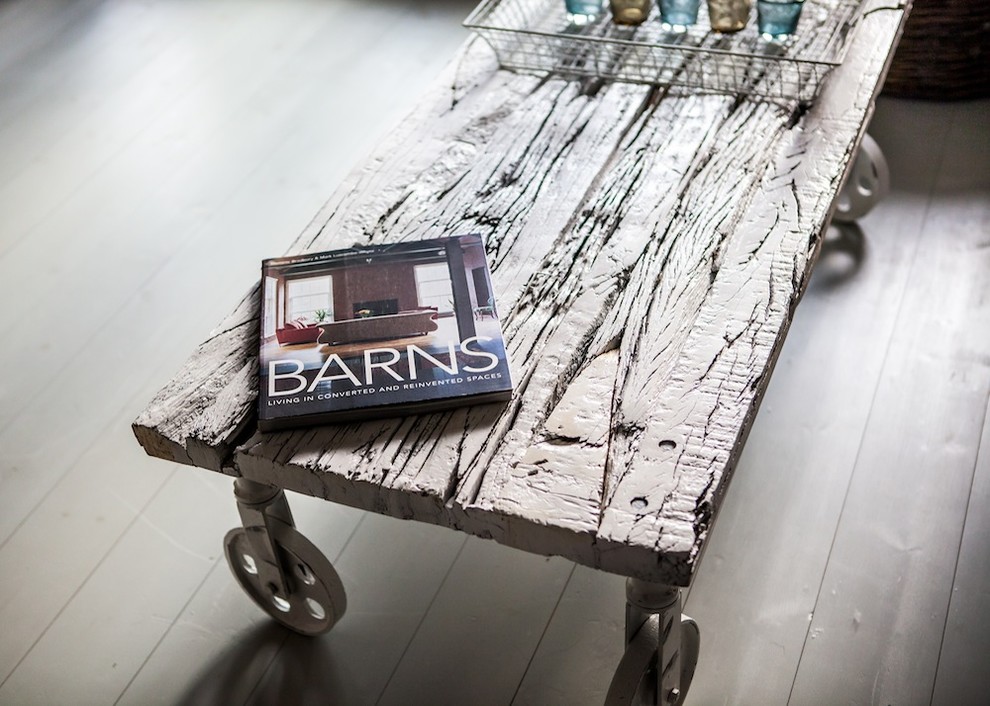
[536,35]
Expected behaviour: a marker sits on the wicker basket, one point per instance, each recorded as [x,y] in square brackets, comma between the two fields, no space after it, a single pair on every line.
[944,53]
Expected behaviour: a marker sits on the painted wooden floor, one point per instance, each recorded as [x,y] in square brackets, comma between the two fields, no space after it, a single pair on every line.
[152,152]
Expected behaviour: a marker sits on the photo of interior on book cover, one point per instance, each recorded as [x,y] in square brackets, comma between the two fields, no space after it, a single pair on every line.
[379,331]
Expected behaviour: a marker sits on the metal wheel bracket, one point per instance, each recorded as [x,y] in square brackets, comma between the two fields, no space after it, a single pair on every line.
[662,648]
[867,184]
[279,569]
[261,507]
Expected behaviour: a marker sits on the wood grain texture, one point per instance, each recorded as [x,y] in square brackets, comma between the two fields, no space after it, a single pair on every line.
[647,249]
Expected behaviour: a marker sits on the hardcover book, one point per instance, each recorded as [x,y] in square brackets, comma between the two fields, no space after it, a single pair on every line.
[379,331]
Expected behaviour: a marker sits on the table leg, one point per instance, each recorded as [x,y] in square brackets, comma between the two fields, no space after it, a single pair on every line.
[662,648]
[281,570]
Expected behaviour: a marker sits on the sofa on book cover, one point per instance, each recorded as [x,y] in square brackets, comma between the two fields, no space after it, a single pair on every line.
[416,322]
[297,331]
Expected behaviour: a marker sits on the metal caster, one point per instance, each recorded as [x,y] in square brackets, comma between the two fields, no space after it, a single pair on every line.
[635,678]
[867,185]
[281,570]
[661,654]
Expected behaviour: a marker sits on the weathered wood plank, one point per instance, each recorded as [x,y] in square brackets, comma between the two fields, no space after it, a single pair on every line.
[409,169]
[547,345]
[624,278]
[521,189]
[672,468]
[647,248]
[211,392]
[563,470]
[639,189]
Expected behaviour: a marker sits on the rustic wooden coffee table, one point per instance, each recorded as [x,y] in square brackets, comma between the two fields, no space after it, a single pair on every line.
[648,248]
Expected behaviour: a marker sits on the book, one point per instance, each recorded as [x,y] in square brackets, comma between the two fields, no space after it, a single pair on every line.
[379,331]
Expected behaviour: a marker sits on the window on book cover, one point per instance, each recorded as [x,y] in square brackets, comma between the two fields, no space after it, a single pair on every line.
[268,324]
[307,295]
[433,287]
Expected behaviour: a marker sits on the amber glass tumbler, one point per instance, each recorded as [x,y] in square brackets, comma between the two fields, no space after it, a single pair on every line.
[630,12]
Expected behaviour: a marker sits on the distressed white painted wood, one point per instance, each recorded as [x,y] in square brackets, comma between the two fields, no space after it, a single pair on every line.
[675,230]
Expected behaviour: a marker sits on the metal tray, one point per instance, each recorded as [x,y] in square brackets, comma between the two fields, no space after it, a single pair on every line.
[536,35]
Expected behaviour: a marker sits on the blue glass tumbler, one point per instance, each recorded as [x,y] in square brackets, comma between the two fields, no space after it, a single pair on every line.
[678,15]
[778,19]
[582,12]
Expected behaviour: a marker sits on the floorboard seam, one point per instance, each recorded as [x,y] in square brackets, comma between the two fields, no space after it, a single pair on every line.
[962,535]
[869,417]
[289,635]
[422,620]
[82,584]
[543,634]
[168,630]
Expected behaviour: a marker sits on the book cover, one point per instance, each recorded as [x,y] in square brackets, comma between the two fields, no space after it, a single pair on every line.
[379,331]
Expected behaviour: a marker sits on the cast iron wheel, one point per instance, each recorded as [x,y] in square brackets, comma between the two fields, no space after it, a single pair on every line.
[316,598]
[635,680]
[868,183]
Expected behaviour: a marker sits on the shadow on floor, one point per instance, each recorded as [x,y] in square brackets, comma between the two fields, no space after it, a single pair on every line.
[299,676]
[842,256]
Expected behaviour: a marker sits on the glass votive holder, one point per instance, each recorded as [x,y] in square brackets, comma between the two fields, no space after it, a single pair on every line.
[678,15]
[630,12]
[777,19]
[583,12]
[729,15]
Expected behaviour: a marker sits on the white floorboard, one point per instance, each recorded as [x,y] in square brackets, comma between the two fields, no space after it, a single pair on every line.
[152,152]
[391,587]
[876,632]
[478,635]
[576,657]
[99,639]
[219,646]
[963,679]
